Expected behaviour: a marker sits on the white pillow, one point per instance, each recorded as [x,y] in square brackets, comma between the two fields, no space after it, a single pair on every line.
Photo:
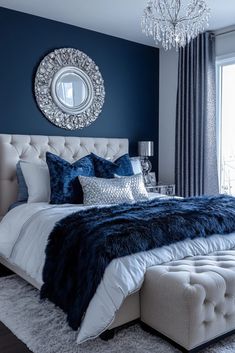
[37,179]
[136,165]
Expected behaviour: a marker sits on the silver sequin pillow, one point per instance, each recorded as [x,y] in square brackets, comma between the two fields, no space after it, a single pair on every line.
[99,191]
[138,189]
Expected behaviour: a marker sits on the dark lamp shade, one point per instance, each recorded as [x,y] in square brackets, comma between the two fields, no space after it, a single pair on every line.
[145,148]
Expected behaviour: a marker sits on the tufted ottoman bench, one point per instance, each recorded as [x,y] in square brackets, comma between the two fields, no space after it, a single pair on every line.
[191,301]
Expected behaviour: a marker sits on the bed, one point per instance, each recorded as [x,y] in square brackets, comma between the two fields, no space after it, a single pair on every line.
[33,148]
[25,230]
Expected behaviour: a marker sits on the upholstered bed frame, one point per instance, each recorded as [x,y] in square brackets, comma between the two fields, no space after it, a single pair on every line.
[33,148]
[201,305]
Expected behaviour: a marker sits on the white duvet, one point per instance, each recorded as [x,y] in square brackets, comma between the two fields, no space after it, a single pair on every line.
[23,237]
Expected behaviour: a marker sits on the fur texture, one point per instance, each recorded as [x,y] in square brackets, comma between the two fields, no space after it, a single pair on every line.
[83,244]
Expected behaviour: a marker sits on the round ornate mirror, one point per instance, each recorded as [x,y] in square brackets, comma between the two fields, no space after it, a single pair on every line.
[69,88]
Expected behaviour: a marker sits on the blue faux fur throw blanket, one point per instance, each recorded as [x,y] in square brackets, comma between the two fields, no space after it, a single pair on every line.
[83,244]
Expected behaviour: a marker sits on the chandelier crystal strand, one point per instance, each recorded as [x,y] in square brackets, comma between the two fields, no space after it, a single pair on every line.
[173,22]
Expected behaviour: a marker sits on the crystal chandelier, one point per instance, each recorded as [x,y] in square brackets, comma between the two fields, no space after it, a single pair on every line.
[174,23]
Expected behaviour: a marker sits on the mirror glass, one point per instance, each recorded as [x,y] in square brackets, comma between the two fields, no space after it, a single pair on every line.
[71,90]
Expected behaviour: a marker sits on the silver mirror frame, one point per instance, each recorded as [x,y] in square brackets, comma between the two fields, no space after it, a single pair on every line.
[50,69]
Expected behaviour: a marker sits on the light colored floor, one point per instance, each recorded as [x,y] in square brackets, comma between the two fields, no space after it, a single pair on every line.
[44,329]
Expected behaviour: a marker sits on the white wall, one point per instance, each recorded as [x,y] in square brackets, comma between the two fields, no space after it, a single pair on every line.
[225,44]
[167,113]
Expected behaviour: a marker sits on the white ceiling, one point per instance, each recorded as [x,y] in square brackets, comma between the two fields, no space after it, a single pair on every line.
[120,18]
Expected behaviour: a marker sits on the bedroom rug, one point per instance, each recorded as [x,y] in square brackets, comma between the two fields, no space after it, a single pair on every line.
[43,328]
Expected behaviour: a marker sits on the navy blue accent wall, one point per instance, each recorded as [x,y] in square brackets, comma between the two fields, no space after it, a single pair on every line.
[130,73]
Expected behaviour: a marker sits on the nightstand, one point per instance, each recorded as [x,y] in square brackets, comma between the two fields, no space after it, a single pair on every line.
[162,189]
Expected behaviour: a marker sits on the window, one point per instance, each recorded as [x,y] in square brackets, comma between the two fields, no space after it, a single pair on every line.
[226,123]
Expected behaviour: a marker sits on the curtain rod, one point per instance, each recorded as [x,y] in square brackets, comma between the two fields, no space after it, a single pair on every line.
[226,32]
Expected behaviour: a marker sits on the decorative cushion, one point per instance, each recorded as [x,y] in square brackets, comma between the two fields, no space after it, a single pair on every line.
[107,169]
[99,191]
[37,180]
[22,187]
[138,189]
[65,186]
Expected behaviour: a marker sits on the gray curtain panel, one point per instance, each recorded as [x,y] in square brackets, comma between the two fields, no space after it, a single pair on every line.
[196,158]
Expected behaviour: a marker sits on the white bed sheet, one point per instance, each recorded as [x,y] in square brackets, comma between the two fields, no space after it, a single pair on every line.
[23,237]
[24,233]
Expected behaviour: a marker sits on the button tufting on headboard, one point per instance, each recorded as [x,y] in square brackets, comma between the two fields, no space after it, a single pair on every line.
[33,148]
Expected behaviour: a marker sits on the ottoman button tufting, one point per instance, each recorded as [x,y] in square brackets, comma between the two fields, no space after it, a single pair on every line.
[188,303]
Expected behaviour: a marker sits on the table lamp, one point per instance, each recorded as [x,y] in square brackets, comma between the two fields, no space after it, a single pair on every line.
[146,150]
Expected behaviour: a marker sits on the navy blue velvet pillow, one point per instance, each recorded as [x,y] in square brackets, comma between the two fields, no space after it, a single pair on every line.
[65,186]
[107,169]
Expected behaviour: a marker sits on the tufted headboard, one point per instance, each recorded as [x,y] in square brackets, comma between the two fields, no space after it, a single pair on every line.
[33,148]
